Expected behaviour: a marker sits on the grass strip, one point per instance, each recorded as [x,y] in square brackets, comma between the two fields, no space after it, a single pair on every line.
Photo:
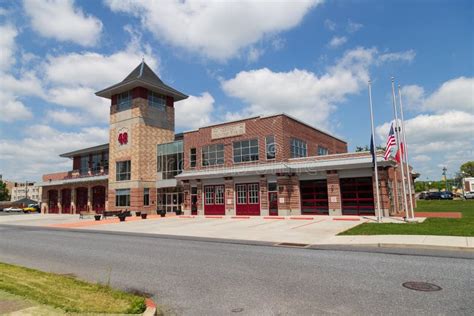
[67,293]
[431,226]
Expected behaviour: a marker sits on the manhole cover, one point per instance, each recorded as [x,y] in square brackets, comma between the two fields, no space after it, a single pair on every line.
[422,286]
[237,310]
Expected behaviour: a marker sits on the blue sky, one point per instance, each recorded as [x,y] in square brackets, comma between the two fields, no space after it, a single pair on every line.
[310,59]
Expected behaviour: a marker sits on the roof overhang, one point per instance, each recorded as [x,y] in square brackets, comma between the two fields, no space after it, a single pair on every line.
[89,150]
[302,167]
[72,181]
[128,85]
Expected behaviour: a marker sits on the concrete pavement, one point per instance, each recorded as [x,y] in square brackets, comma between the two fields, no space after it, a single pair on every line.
[307,230]
[190,277]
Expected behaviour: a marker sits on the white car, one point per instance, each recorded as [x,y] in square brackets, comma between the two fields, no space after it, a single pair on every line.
[469,195]
[13,209]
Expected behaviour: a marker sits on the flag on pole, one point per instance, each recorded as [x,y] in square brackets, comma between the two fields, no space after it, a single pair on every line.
[372,149]
[391,142]
[400,153]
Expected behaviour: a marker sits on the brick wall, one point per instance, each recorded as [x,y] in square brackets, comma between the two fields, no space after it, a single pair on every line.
[281,127]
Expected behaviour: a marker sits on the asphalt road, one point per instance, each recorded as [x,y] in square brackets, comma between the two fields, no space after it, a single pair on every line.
[210,278]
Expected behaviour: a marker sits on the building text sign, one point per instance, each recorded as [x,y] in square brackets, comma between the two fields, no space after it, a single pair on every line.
[228,131]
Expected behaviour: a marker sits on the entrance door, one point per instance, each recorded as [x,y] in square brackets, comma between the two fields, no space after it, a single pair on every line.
[273,203]
[357,196]
[214,200]
[66,201]
[98,199]
[53,201]
[248,199]
[194,208]
[81,199]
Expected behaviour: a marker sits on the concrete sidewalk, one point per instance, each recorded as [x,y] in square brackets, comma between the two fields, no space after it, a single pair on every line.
[303,230]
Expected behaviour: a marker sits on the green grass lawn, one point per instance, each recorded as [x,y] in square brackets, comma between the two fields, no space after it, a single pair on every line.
[67,293]
[431,226]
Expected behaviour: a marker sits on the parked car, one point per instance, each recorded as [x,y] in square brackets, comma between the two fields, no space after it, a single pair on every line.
[469,195]
[439,196]
[422,195]
[13,209]
[31,208]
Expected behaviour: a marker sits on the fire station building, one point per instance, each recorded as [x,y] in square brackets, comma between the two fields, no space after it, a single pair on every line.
[259,166]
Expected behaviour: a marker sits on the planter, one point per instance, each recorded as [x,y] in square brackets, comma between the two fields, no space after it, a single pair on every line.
[144,215]
[122,217]
[162,213]
[97,217]
[178,212]
[138,214]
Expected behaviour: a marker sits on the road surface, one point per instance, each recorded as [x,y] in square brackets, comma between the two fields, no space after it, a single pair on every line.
[190,277]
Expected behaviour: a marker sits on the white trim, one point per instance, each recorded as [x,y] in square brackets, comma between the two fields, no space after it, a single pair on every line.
[74,180]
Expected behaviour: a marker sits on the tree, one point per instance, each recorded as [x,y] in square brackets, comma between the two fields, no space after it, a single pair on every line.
[468,169]
[4,195]
[367,148]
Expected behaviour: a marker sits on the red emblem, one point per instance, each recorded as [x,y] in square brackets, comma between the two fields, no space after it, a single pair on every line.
[123,138]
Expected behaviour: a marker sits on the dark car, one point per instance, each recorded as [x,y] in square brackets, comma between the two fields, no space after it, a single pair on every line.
[439,196]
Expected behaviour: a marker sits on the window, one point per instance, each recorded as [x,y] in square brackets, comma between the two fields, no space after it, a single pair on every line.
[253,193]
[192,157]
[146,196]
[96,158]
[241,193]
[170,160]
[122,197]
[123,170]
[156,100]
[322,151]
[124,101]
[298,148]
[84,169]
[219,194]
[246,150]
[270,147]
[272,187]
[213,155]
[209,195]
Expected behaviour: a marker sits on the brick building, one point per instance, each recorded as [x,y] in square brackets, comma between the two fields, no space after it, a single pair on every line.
[263,165]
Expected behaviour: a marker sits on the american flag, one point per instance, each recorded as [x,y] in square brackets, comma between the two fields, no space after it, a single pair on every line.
[391,142]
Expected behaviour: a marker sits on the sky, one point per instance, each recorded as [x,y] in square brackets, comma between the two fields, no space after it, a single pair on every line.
[310,59]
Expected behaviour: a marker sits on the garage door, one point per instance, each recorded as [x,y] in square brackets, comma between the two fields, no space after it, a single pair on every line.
[314,197]
[247,199]
[357,196]
[214,200]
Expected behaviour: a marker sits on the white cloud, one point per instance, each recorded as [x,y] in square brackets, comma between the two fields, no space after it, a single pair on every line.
[194,111]
[337,41]
[215,29]
[61,20]
[407,56]
[454,94]
[330,25]
[7,46]
[27,85]
[12,109]
[29,157]
[421,158]
[65,117]
[254,54]
[353,27]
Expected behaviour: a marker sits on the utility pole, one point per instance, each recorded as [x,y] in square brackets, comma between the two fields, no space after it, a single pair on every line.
[445,179]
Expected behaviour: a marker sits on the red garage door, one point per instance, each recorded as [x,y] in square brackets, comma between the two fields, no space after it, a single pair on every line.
[248,199]
[357,196]
[214,200]
[53,201]
[314,197]
[66,200]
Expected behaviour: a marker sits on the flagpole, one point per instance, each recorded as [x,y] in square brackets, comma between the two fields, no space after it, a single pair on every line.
[379,217]
[397,139]
[405,152]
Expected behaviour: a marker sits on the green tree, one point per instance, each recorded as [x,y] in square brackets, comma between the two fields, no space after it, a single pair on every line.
[468,169]
[367,148]
[4,194]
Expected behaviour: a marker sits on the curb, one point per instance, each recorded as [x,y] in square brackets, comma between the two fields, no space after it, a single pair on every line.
[150,308]
[397,246]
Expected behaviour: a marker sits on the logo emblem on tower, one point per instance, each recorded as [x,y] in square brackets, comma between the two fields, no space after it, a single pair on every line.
[123,136]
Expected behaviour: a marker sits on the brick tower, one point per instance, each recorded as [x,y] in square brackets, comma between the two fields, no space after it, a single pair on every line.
[141,117]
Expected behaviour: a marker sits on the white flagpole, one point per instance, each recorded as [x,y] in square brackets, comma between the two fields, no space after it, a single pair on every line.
[405,153]
[379,215]
[397,139]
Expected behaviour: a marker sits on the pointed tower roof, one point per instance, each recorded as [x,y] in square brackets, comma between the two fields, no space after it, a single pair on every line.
[142,76]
